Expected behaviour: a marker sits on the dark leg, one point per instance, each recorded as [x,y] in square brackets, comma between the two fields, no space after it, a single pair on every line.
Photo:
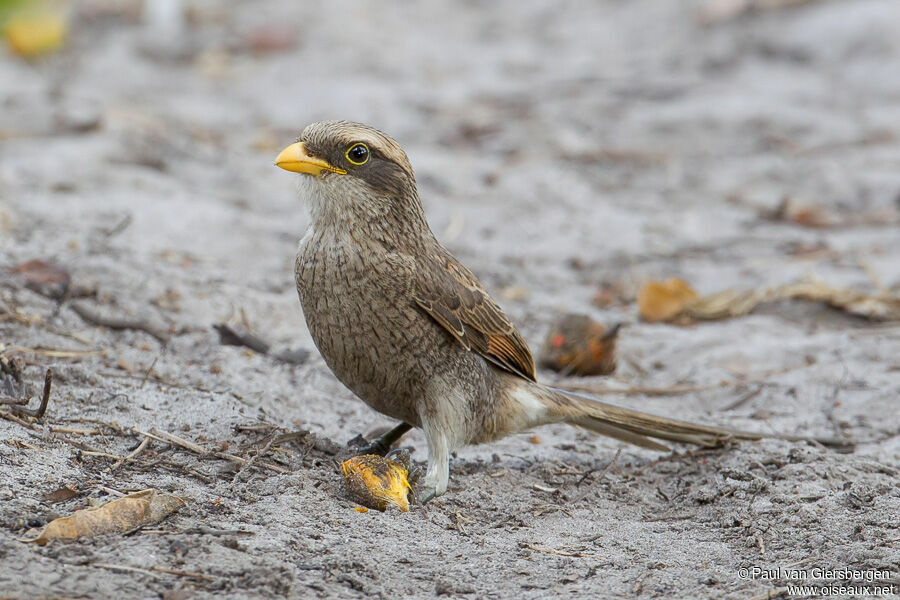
[381,445]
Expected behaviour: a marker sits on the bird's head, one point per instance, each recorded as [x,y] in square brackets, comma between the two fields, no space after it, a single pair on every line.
[352,173]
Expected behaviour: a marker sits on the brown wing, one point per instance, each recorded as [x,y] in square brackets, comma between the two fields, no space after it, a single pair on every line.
[453,297]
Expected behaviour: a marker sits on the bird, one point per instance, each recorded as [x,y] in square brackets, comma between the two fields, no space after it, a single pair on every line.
[410,330]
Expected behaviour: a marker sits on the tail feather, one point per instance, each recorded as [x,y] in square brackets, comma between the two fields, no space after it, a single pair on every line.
[642,429]
[618,433]
[541,404]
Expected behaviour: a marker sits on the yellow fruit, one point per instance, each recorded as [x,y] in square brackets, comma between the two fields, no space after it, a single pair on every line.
[377,482]
[32,34]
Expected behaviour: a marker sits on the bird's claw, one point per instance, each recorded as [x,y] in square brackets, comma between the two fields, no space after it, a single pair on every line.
[360,446]
[424,494]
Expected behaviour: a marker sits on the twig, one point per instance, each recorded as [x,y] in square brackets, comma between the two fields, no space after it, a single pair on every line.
[744,399]
[230,337]
[101,454]
[125,568]
[118,323]
[168,438]
[544,488]
[55,353]
[183,573]
[75,431]
[131,456]
[45,399]
[603,472]
[212,531]
[253,459]
[547,550]
[149,372]
[16,401]
[111,491]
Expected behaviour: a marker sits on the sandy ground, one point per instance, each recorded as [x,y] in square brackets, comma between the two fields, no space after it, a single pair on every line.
[558,148]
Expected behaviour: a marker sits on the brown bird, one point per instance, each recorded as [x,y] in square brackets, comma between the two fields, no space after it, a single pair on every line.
[409,329]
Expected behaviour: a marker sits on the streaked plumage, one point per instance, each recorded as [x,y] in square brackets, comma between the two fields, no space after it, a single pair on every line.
[409,329]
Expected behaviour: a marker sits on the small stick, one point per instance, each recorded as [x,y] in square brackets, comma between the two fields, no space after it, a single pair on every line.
[143,445]
[183,573]
[149,372]
[168,438]
[16,401]
[229,337]
[118,323]
[744,399]
[253,459]
[101,454]
[75,431]
[56,353]
[603,472]
[15,419]
[124,568]
[547,550]
[111,491]
[45,399]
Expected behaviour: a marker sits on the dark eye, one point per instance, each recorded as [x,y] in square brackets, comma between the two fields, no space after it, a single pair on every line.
[358,154]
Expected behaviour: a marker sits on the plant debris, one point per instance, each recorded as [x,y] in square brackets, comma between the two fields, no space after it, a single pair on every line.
[233,336]
[579,345]
[675,302]
[378,481]
[139,509]
[13,389]
[664,300]
[120,323]
[44,278]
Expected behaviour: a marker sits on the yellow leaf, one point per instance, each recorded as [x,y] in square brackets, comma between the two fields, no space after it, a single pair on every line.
[664,300]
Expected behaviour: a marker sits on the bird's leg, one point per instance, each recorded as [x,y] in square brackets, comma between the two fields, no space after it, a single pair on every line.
[380,445]
[438,473]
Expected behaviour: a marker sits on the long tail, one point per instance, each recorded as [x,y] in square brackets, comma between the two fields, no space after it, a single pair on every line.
[635,427]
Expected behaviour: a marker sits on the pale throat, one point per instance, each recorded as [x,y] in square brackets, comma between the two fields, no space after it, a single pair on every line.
[341,203]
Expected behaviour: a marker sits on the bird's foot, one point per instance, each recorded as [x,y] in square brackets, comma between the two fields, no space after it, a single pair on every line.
[424,494]
[360,445]
[380,445]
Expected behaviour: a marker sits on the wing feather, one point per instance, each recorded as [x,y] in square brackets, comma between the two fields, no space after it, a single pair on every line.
[454,298]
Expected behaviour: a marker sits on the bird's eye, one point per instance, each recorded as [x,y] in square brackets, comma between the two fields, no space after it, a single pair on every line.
[358,154]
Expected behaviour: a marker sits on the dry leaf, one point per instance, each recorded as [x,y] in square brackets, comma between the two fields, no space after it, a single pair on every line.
[62,494]
[733,303]
[579,345]
[124,514]
[664,300]
[377,481]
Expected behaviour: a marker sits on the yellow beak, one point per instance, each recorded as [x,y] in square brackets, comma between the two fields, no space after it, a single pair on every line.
[295,158]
